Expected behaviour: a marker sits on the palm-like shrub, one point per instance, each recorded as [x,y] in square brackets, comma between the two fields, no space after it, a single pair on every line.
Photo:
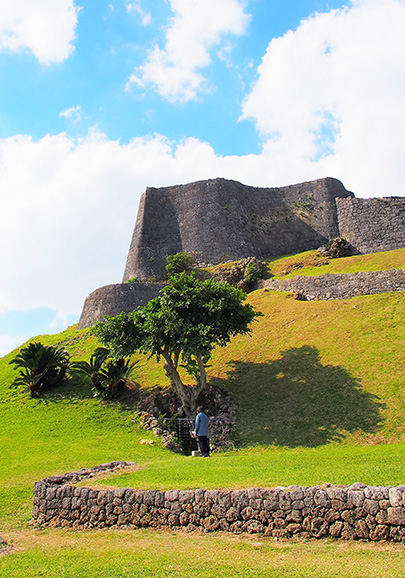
[108,376]
[41,367]
[117,374]
[92,368]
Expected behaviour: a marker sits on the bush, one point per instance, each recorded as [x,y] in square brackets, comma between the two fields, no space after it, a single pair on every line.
[108,376]
[42,367]
[178,263]
[254,271]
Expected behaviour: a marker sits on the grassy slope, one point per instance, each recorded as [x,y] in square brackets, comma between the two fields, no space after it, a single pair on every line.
[311,375]
[310,263]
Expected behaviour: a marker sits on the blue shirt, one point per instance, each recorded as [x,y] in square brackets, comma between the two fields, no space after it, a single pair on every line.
[201,424]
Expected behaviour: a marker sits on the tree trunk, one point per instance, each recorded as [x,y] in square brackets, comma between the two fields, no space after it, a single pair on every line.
[187,394]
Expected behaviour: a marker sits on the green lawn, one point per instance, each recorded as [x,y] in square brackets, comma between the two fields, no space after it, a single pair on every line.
[321,398]
[311,263]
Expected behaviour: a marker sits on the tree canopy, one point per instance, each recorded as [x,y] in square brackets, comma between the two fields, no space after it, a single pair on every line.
[183,324]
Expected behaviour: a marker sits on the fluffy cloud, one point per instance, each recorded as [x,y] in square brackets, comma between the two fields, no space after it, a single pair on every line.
[66,219]
[329,96]
[8,343]
[45,27]
[196,28]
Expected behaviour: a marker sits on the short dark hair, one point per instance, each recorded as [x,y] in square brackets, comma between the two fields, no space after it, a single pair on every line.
[199,408]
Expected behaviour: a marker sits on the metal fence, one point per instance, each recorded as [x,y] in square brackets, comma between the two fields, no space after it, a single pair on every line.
[184,426]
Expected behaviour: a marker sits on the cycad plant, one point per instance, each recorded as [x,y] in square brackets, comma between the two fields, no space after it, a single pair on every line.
[42,367]
[92,368]
[108,376]
[116,374]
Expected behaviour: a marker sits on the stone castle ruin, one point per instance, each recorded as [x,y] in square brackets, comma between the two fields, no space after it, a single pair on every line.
[221,220]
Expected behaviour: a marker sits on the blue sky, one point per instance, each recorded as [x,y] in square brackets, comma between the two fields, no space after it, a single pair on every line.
[99,99]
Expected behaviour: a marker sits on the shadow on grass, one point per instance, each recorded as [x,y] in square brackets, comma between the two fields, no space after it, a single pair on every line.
[77,388]
[297,401]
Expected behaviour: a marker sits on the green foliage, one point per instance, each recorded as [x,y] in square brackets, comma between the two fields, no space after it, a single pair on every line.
[116,374]
[185,322]
[108,376]
[41,367]
[134,280]
[179,263]
[255,271]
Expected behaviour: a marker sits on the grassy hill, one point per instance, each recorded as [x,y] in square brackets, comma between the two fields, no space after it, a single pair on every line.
[321,398]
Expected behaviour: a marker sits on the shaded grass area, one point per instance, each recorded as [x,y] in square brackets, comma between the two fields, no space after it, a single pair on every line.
[147,554]
[300,401]
[314,372]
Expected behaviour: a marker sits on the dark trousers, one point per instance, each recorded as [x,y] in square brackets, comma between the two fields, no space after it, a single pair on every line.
[204,444]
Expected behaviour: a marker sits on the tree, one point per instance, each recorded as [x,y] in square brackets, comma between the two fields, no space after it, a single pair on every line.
[42,367]
[183,324]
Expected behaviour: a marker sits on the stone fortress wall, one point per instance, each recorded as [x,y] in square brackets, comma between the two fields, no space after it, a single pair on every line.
[112,299]
[372,225]
[348,512]
[219,220]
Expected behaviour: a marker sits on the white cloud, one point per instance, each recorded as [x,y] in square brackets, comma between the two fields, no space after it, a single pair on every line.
[74,113]
[329,98]
[66,219]
[195,29]
[45,27]
[135,6]
[68,208]
[8,343]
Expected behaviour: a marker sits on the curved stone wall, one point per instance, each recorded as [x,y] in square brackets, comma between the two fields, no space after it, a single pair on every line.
[113,299]
[335,286]
[348,512]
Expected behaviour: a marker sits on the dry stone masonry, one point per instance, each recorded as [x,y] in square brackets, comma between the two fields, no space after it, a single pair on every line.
[372,225]
[220,220]
[335,286]
[356,512]
[112,299]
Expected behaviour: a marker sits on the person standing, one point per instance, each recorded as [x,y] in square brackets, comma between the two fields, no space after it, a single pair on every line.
[201,432]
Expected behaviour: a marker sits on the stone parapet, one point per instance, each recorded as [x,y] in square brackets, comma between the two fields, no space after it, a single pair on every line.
[355,512]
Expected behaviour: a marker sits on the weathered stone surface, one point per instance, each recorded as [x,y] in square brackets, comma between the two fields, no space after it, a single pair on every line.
[380,532]
[396,516]
[316,512]
[340,286]
[396,496]
[361,529]
[220,219]
[372,225]
[371,506]
[335,529]
[113,299]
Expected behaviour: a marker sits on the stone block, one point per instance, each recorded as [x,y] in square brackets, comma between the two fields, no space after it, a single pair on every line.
[396,516]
